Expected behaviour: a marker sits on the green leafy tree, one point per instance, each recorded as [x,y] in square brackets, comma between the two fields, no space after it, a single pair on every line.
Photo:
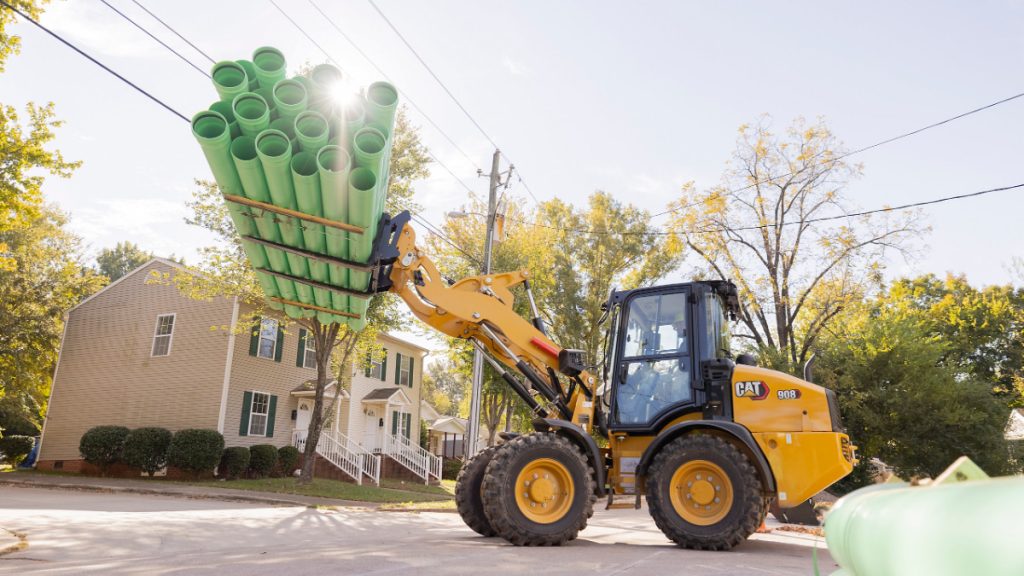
[757,228]
[9,42]
[121,259]
[444,387]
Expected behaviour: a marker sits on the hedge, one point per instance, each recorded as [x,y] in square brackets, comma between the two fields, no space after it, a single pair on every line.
[234,462]
[146,449]
[287,459]
[262,458]
[450,468]
[103,445]
[16,448]
[195,450]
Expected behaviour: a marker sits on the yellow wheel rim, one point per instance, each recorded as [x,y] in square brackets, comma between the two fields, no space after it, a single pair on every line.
[701,493]
[544,490]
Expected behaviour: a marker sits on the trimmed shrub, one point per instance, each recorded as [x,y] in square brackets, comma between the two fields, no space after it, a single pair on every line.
[287,459]
[450,468]
[195,450]
[16,448]
[262,458]
[103,445]
[146,449]
[234,462]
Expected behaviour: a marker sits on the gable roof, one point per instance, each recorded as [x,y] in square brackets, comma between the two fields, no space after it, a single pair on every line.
[385,394]
[449,424]
[165,261]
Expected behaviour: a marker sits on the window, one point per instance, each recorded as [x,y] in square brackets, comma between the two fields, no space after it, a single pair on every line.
[405,370]
[377,364]
[258,413]
[309,354]
[268,339]
[163,335]
[401,424]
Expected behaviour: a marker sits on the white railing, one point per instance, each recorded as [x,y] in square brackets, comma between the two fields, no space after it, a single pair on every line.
[339,450]
[421,462]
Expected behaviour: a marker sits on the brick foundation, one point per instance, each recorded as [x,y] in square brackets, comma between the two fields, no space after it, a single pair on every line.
[118,470]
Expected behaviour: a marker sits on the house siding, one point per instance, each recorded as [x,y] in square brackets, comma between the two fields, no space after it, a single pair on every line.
[363,385]
[107,376]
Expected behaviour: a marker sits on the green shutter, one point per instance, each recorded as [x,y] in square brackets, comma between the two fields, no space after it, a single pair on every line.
[394,422]
[412,364]
[384,367]
[254,339]
[369,363]
[407,421]
[280,343]
[398,368]
[270,416]
[243,427]
[300,358]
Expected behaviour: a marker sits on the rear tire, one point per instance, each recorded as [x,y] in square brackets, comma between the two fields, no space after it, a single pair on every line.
[538,490]
[704,493]
[468,491]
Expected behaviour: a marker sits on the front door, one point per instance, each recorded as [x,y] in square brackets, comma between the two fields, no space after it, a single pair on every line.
[371,431]
[303,415]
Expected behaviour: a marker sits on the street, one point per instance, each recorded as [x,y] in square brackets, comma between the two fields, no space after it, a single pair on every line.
[70,532]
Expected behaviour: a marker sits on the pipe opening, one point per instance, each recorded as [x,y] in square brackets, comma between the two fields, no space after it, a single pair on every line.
[250,106]
[333,159]
[228,74]
[369,140]
[224,109]
[209,124]
[273,143]
[268,59]
[311,124]
[326,75]
[362,179]
[304,164]
[284,125]
[244,148]
[382,94]
[290,92]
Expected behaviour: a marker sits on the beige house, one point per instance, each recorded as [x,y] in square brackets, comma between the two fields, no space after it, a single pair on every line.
[138,353]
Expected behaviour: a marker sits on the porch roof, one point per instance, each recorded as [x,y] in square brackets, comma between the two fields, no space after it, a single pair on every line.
[449,424]
[389,395]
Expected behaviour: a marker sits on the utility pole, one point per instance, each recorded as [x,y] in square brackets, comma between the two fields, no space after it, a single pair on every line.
[473,425]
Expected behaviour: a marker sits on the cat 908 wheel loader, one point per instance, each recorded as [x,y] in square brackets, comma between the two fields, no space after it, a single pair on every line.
[708,442]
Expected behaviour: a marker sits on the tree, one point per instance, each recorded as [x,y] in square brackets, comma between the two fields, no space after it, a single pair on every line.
[444,387]
[121,259]
[9,43]
[758,229]
[225,271]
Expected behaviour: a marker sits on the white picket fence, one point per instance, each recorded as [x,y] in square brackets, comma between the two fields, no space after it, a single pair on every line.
[421,462]
[347,455]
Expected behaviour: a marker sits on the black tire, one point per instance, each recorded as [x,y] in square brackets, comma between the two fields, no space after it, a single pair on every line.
[499,490]
[747,509]
[468,486]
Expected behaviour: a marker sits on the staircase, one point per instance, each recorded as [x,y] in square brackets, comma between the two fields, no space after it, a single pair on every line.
[419,461]
[343,453]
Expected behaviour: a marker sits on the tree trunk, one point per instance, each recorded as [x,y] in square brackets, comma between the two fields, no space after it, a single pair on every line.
[324,340]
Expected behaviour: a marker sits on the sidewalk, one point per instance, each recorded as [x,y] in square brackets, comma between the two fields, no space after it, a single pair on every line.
[168,488]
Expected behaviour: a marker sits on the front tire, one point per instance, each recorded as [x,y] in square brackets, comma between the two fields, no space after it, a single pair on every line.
[538,490]
[704,493]
[468,488]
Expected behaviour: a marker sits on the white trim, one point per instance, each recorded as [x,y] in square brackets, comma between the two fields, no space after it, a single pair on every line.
[397,340]
[222,414]
[170,263]
[156,334]
[266,425]
[306,351]
[53,386]
[405,366]
[259,340]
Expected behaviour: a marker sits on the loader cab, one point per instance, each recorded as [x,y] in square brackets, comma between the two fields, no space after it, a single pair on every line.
[658,338]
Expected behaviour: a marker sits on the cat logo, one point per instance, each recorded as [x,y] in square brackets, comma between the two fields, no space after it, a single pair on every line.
[755,390]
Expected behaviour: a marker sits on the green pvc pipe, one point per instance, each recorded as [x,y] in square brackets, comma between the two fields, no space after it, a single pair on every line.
[368,149]
[333,164]
[250,73]
[362,188]
[268,96]
[970,527]
[306,180]
[270,66]
[355,115]
[325,79]
[284,125]
[251,113]
[381,106]
[229,79]
[311,130]
[224,109]
[254,185]
[291,99]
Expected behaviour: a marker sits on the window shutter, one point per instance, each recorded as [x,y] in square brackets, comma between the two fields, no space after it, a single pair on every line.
[254,339]
[270,416]
[394,422]
[300,358]
[412,364]
[407,422]
[280,344]
[369,363]
[384,367]
[243,427]
[398,368]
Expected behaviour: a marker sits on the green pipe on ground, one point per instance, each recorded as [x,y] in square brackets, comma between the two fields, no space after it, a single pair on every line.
[362,187]
[229,79]
[311,130]
[251,113]
[381,106]
[270,66]
[291,99]
[970,527]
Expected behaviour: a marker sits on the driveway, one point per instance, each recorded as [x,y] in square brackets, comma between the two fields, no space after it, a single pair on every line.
[72,532]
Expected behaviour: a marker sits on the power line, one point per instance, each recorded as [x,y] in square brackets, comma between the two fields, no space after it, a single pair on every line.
[440,234]
[381,72]
[95,61]
[875,145]
[161,42]
[175,32]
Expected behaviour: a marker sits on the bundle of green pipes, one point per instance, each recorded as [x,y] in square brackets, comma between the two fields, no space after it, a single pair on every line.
[304,175]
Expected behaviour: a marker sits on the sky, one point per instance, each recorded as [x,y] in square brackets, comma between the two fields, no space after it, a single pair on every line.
[631,98]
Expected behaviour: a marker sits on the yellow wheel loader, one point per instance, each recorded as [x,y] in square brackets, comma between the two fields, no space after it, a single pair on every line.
[709,442]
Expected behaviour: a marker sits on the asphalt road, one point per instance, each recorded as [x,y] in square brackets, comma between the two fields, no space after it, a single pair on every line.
[72,532]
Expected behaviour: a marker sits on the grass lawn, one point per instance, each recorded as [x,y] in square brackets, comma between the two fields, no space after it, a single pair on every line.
[390,491]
